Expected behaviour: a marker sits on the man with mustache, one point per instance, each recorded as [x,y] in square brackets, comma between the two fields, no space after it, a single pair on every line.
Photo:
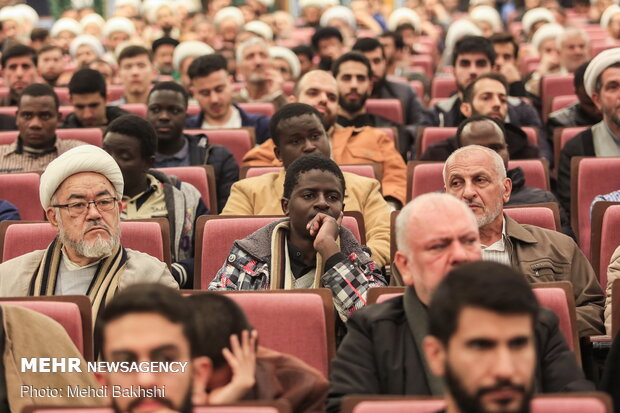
[482,340]
[80,192]
[19,69]
[476,175]
[382,352]
[152,323]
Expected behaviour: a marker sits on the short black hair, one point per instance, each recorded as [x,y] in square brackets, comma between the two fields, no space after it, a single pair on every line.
[203,66]
[367,44]
[310,163]
[354,57]
[87,81]
[149,298]
[39,34]
[304,49]
[468,94]
[136,127]
[164,41]
[405,26]
[38,90]
[288,111]
[326,33]
[133,51]
[578,75]
[502,38]
[171,86]
[399,43]
[19,50]
[482,284]
[477,118]
[474,44]
[47,48]
[217,317]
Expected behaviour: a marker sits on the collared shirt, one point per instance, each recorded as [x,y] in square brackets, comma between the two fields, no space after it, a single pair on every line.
[497,252]
[17,158]
[298,266]
[233,122]
[181,158]
[73,279]
[148,204]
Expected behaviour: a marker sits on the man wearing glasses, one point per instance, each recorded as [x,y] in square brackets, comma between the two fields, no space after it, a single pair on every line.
[80,192]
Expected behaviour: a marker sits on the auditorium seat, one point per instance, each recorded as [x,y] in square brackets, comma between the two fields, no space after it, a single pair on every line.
[8,110]
[135,108]
[535,214]
[605,237]
[563,101]
[202,177]
[238,141]
[193,109]
[365,170]
[390,109]
[424,62]
[431,135]
[114,92]
[536,171]
[22,190]
[423,177]
[259,108]
[552,86]
[443,87]
[92,136]
[560,138]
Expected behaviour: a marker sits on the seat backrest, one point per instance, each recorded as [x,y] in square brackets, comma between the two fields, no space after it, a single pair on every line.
[533,215]
[423,177]
[259,108]
[560,102]
[193,109]
[73,312]
[554,85]
[135,108]
[536,171]
[399,406]
[92,136]
[22,190]
[443,87]
[18,238]
[556,299]
[8,110]
[253,171]
[432,134]
[572,403]
[570,133]
[531,134]
[114,92]
[215,235]
[202,177]
[362,170]
[586,184]
[238,141]
[424,62]
[387,108]
[608,239]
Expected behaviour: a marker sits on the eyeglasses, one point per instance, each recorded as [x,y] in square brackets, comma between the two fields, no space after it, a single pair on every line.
[79,208]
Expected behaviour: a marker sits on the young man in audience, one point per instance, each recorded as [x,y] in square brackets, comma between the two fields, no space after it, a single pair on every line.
[50,64]
[309,248]
[183,56]
[37,144]
[80,192]
[329,45]
[150,193]
[163,51]
[393,47]
[296,132]
[19,69]
[87,93]
[488,303]
[212,87]
[167,113]
[477,175]
[137,73]
[382,352]
[506,58]
[263,83]
[487,95]
[152,323]
[241,369]
[600,80]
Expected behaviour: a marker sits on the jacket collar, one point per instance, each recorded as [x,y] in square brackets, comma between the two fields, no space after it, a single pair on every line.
[518,232]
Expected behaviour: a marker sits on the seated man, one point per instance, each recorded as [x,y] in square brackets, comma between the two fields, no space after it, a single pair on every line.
[152,323]
[80,192]
[317,251]
[167,113]
[50,64]
[212,87]
[36,145]
[477,175]
[487,95]
[137,73]
[87,92]
[613,273]
[8,211]
[261,195]
[488,303]
[150,193]
[382,351]
[226,337]
[19,70]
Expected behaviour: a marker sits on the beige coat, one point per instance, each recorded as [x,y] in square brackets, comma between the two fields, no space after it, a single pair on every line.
[613,273]
[15,274]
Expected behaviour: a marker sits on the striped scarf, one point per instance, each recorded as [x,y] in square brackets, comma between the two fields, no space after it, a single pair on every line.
[102,287]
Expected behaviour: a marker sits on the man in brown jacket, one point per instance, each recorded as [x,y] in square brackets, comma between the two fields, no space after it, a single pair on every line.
[477,175]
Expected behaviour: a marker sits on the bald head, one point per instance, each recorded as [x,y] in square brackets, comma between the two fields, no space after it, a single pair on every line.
[318,89]
[475,153]
[484,131]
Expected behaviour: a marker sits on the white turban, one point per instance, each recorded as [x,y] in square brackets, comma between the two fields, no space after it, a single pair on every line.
[408,15]
[85,158]
[27,13]
[151,7]
[66,24]
[458,30]
[546,32]
[93,18]
[278,52]
[229,13]
[192,48]
[339,12]
[119,24]
[608,14]
[312,3]
[597,66]
[533,16]
[134,3]
[260,28]
[86,39]
[10,13]
[487,14]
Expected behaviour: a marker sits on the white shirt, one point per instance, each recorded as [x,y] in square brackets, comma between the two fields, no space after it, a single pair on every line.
[233,122]
[497,252]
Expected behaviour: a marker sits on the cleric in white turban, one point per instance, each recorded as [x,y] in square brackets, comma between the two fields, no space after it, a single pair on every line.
[80,192]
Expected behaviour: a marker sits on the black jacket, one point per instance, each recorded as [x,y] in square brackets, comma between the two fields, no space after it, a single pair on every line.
[111,113]
[379,356]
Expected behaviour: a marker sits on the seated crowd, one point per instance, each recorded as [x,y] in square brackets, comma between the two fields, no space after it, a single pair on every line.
[437,148]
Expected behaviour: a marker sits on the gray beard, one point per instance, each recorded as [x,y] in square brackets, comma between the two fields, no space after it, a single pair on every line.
[98,249]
